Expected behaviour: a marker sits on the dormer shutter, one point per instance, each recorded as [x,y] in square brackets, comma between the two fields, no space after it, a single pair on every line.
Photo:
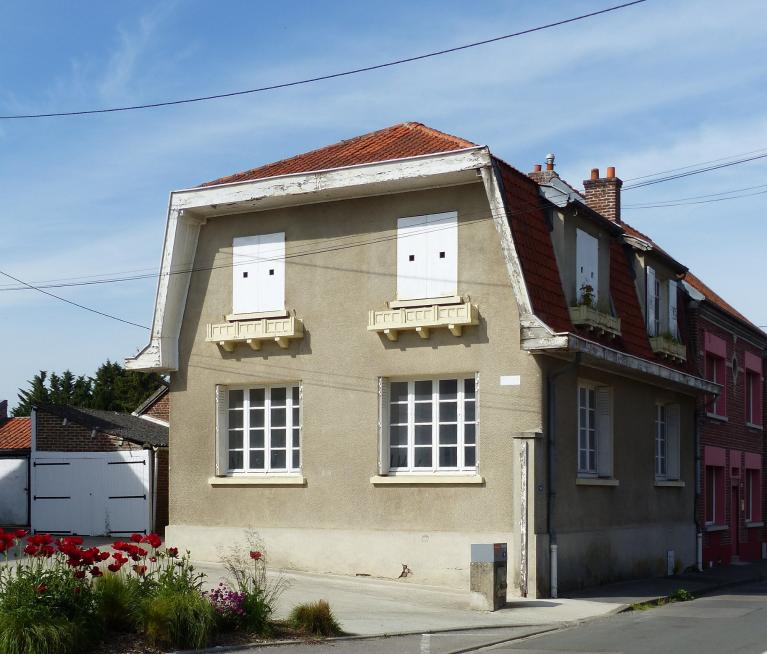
[650,295]
[427,256]
[258,273]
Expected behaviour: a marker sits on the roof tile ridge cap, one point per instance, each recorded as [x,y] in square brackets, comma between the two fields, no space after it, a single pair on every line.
[458,140]
[244,173]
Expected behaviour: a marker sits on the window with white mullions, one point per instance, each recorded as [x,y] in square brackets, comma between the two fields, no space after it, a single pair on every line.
[432,425]
[587,431]
[661,442]
[264,429]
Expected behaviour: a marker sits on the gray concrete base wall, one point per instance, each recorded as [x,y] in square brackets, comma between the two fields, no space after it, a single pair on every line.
[590,558]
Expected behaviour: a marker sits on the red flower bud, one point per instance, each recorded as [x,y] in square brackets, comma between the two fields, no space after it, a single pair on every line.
[172,552]
[96,572]
[79,574]
[42,588]
[255,555]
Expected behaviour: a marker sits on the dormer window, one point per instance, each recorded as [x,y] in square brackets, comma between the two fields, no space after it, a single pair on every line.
[586,268]
[258,273]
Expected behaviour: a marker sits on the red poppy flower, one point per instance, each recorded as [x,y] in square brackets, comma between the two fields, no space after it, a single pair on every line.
[3,546]
[30,549]
[255,555]
[96,572]
[20,533]
[79,574]
[103,556]
[47,551]
[42,588]
[153,559]
[136,538]
[172,552]
[114,567]
[153,539]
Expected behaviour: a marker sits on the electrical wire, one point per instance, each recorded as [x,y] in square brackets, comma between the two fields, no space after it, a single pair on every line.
[698,197]
[74,304]
[309,80]
[683,204]
[692,165]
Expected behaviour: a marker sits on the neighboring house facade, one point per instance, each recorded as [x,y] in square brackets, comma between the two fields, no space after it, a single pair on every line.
[15,439]
[396,346]
[732,351]
[97,472]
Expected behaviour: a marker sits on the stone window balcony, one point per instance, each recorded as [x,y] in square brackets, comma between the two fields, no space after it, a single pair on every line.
[423,319]
[255,331]
[668,347]
[584,315]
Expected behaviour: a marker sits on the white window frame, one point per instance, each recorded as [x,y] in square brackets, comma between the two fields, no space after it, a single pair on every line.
[661,442]
[290,429]
[461,423]
[587,430]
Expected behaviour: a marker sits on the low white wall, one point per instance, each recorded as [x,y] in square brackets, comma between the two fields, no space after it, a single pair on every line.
[590,558]
[435,558]
[13,491]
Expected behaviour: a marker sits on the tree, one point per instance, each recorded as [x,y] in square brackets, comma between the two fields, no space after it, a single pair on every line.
[112,388]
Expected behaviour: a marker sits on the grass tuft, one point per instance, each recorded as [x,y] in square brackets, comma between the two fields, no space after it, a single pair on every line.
[315,618]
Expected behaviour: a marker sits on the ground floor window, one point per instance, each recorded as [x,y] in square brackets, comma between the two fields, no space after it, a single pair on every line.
[714,494]
[753,495]
[432,425]
[660,441]
[259,428]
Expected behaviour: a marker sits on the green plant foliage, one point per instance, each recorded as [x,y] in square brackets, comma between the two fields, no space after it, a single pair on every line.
[315,618]
[681,595]
[118,601]
[178,619]
[25,630]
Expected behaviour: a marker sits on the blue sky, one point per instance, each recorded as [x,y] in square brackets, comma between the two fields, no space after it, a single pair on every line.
[652,87]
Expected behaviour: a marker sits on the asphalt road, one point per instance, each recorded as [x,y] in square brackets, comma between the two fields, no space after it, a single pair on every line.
[733,621]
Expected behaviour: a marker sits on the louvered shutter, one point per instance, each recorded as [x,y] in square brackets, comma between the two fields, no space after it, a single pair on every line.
[673,441]
[650,301]
[604,428]
[383,425]
[222,436]
[672,315]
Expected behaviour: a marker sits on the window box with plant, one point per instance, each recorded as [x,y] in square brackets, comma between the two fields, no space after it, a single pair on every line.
[587,314]
[669,347]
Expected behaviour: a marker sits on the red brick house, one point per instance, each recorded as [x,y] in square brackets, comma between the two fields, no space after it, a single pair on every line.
[730,350]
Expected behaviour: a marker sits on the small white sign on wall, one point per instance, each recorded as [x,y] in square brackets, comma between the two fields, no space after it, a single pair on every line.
[510,380]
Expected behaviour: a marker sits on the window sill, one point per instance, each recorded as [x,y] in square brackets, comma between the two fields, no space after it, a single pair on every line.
[751,425]
[713,528]
[427,480]
[753,525]
[425,302]
[596,481]
[253,480]
[716,416]
[669,483]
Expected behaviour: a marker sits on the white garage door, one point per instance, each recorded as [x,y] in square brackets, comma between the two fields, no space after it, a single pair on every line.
[13,491]
[91,493]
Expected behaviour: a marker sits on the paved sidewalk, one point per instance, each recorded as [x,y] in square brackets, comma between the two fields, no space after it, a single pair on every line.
[697,583]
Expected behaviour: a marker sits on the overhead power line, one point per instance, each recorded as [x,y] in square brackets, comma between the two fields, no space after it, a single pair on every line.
[692,165]
[696,171]
[663,205]
[74,304]
[320,78]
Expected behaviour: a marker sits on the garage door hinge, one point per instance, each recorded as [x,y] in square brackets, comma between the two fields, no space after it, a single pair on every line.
[51,497]
[126,463]
[127,497]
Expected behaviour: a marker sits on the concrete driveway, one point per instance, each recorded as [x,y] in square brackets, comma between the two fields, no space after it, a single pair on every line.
[367,606]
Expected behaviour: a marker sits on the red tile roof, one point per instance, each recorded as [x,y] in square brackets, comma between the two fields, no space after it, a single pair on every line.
[16,434]
[395,142]
[717,300]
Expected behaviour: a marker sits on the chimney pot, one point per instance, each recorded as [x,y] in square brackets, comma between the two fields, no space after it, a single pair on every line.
[611,172]
[537,168]
[549,161]
[595,173]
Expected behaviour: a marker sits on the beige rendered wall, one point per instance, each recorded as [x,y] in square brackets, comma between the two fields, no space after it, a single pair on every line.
[606,533]
[339,521]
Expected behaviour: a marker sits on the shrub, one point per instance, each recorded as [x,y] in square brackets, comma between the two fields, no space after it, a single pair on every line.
[177,619]
[229,607]
[681,595]
[314,618]
[247,570]
[118,600]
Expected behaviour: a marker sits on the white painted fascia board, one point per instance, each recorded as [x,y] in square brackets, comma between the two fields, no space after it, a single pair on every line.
[189,209]
[510,254]
[572,343]
[156,421]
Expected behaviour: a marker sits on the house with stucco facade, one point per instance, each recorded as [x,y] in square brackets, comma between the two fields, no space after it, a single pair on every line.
[390,348]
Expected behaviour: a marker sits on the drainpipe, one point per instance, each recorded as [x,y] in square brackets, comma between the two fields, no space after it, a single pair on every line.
[153,524]
[698,527]
[551,441]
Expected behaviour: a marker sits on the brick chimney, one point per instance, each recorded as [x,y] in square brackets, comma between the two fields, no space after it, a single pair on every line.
[3,411]
[603,194]
[544,176]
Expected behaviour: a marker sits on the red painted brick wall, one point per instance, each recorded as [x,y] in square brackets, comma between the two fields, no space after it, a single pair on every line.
[54,436]
[734,436]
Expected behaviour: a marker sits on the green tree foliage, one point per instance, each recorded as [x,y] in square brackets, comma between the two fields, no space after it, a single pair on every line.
[112,388]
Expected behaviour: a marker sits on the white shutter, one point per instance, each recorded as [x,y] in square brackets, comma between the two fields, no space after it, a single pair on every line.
[604,428]
[672,316]
[383,425]
[222,436]
[650,301]
[586,264]
[258,273]
[412,246]
[442,254]
[673,441]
